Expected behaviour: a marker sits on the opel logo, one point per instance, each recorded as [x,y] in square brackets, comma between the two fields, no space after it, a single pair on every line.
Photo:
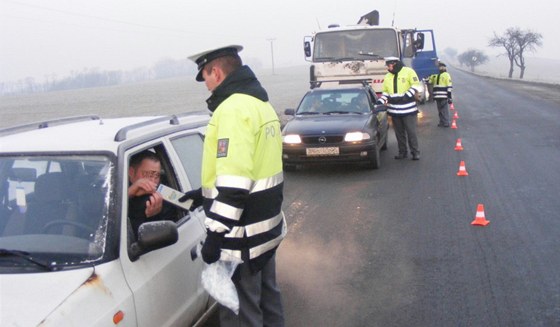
[322,139]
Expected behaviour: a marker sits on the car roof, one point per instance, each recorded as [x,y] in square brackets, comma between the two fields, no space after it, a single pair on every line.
[338,85]
[91,133]
[335,89]
[339,88]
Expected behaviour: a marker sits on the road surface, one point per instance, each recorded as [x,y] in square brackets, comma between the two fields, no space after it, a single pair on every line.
[395,246]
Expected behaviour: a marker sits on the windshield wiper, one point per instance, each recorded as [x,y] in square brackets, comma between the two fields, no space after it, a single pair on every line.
[337,112]
[26,256]
[336,59]
[324,58]
[369,54]
[307,113]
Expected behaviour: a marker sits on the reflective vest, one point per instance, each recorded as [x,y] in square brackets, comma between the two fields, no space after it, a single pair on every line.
[242,178]
[399,91]
[442,86]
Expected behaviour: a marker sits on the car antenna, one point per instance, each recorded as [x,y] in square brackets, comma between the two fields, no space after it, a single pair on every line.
[318,25]
[394,11]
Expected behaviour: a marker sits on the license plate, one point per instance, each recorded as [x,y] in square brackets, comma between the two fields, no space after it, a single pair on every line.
[326,151]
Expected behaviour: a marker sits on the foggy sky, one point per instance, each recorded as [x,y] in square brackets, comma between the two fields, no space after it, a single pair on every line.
[39,38]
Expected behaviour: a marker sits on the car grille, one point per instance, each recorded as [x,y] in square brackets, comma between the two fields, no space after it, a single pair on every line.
[331,139]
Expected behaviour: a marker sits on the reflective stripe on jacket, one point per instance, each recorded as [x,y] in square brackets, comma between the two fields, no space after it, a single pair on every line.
[242,178]
[400,95]
[442,86]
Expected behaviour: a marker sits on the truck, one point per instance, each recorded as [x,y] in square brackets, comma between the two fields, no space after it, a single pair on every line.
[357,52]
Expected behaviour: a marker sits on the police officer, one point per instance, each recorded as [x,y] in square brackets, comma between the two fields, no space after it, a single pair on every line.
[242,182]
[400,88]
[442,94]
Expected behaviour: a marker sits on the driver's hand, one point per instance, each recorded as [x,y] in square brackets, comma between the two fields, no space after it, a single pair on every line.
[154,205]
[141,187]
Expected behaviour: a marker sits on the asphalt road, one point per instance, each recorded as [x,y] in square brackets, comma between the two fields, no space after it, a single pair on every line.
[395,246]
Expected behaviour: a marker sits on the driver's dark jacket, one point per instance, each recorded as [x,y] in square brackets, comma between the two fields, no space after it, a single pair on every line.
[137,212]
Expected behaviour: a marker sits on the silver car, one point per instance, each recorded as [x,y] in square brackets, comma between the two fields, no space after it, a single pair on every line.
[68,254]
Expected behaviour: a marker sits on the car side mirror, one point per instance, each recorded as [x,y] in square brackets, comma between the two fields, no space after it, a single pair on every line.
[307,47]
[290,112]
[153,235]
[379,108]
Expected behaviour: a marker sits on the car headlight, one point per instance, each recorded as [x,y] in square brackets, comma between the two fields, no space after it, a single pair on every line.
[356,137]
[291,139]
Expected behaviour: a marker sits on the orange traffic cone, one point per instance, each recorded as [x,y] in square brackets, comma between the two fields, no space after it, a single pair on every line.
[451,106]
[454,124]
[480,219]
[458,145]
[455,116]
[462,170]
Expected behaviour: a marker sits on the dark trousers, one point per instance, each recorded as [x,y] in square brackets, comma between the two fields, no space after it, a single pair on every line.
[260,302]
[443,111]
[405,129]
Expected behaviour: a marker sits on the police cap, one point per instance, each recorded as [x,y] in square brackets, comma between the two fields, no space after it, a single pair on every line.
[441,64]
[391,60]
[202,58]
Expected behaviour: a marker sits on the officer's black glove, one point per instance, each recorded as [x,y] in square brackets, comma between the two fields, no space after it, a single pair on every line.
[212,247]
[195,195]
[450,101]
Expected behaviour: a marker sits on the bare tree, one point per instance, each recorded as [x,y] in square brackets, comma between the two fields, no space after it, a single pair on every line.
[507,41]
[516,42]
[472,58]
[526,41]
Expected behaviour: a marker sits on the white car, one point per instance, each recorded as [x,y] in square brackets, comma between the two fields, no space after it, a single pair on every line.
[68,256]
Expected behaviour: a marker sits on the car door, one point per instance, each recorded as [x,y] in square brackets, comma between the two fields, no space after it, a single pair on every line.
[166,283]
[425,60]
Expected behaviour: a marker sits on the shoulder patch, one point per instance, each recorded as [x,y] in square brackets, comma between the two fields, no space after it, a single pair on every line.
[222,148]
[415,79]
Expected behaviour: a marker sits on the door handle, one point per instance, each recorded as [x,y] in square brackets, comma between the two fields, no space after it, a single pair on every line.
[195,250]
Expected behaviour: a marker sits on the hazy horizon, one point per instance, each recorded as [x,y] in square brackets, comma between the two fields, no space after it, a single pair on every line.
[58,37]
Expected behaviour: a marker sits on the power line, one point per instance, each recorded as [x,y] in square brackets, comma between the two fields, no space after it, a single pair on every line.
[72,13]
[50,22]
[194,32]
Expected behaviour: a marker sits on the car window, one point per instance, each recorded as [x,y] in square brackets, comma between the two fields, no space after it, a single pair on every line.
[56,207]
[166,176]
[339,101]
[189,148]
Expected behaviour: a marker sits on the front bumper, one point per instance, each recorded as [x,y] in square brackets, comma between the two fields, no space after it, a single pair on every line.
[297,154]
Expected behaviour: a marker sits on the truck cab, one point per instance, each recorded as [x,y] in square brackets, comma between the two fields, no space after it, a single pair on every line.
[358,51]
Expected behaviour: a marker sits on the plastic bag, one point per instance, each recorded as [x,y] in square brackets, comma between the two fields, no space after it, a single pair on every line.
[216,280]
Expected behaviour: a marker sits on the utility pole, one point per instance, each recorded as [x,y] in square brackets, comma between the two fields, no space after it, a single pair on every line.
[272,53]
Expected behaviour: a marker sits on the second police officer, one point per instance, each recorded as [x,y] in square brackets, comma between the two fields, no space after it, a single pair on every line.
[400,87]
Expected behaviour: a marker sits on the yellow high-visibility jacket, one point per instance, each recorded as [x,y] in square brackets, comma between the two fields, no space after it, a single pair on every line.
[242,178]
[399,92]
[442,86]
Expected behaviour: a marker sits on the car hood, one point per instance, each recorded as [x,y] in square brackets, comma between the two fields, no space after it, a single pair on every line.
[329,124]
[27,299]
